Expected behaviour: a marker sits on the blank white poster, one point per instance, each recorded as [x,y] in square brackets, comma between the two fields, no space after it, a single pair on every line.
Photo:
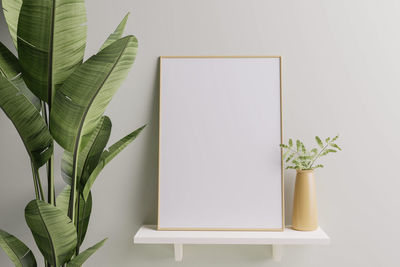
[220,165]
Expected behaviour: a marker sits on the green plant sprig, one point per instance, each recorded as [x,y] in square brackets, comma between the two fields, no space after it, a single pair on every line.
[300,158]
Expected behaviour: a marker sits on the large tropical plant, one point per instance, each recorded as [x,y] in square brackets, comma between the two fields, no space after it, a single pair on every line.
[50,94]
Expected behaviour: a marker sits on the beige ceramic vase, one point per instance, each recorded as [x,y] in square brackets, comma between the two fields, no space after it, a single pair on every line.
[305,202]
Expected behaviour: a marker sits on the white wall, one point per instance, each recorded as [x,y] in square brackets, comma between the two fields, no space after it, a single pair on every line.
[340,75]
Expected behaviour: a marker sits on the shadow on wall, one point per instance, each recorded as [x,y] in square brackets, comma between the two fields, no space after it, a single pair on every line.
[289,179]
[148,188]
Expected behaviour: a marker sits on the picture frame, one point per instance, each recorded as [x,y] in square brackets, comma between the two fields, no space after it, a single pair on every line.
[206,105]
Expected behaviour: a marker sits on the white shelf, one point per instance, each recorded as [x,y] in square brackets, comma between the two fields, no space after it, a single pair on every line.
[148,234]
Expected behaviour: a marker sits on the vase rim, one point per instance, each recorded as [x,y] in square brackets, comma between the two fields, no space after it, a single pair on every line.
[306,170]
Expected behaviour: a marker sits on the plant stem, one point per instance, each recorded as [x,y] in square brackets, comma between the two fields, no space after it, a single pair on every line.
[50,163]
[50,181]
[316,157]
[35,185]
[39,183]
[77,223]
[73,195]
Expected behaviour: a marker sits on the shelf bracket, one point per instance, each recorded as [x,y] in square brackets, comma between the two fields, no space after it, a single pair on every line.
[178,250]
[277,252]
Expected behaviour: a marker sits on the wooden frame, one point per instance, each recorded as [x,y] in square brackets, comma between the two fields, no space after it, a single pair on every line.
[281,228]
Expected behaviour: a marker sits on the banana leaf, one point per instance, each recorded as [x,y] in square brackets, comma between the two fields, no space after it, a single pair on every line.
[83,256]
[9,66]
[17,251]
[80,103]
[51,43]
[28,122]
[10,69]
[53,231]
[85,209]
[107,156]
[11,10]
[117,33]
[91,149]
[19,82]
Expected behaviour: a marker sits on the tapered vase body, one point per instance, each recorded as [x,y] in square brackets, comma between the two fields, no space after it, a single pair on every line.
[305,216]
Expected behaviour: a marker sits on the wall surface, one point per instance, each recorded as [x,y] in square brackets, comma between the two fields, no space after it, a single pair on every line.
[340,75]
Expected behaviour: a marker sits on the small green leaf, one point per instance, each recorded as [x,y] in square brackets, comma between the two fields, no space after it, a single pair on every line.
[328,151]
[107,156]
[283,146]
[298,145]
[319,141]
[290,157]
[318,166]
[335,138]
[335,146]
[290,142]
[303,148]
[327,139]
[290,167]
[83,256]
[314,151]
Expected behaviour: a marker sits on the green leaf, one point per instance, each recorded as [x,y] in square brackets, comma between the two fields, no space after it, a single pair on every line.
[85,209]
[283,146]
[11,9]
[10,69]
[9,66]
[107,156]
[335,146]
[17,251]
[19,82]
[290,143]
[319,141]
[314,151]
[298,145]
[82,100]
[53,231]
[305,157]
[303,148]
[290,157]
[28,122]
[83,256]
[335,138]
[51,43]
[90,151]
[291,167]
[328,151]
[117,34]
[327,139]
[318,166]
[96,149]
[67,165]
